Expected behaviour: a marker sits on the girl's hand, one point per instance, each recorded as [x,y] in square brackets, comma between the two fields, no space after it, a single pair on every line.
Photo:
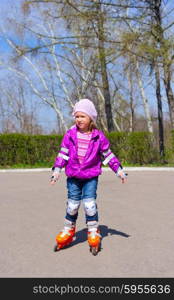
[122,175]
[54,178]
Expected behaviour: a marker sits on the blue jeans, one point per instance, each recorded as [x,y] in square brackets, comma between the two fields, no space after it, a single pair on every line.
[85,191]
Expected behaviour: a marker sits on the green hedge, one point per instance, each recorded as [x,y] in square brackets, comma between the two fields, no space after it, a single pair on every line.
[28,149]
[172,137]
[130,148]
[170,149]
[133,148]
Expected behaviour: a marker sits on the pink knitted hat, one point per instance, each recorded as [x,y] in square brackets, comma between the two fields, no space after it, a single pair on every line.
[86,106]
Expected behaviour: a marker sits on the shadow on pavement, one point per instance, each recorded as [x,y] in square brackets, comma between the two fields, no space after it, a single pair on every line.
[81,235]
[105,231]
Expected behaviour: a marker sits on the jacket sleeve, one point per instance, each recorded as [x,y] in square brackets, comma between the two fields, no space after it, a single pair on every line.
[63,154]
[108,155]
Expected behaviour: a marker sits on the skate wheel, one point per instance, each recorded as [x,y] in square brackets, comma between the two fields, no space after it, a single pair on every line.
[94,251]
[55,248]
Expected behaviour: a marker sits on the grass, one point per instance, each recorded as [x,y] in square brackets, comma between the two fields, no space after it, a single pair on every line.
[49,165]
[27,166]
[150,165]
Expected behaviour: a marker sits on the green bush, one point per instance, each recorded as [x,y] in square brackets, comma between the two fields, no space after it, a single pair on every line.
[141,150]
[169,152]
[134,147]
[41,150]
[28,149]
[172,138]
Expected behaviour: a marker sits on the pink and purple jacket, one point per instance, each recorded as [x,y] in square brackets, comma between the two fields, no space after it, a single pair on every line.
[99,147]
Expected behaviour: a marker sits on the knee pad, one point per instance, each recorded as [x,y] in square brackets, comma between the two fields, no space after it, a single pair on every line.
[72,207]
[90,207]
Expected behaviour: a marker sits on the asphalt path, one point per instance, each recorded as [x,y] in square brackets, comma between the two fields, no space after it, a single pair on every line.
[136,222]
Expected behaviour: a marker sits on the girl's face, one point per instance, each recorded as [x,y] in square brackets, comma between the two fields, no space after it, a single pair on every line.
[82,121]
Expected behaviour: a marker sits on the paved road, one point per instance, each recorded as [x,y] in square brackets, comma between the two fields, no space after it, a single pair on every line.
[137,225]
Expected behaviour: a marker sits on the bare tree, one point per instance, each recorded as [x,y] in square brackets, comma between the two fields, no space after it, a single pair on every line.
[16,115]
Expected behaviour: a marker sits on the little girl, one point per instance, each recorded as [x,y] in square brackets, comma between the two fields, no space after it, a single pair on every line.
[81,152]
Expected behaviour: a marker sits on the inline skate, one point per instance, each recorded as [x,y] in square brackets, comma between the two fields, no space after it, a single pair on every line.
[94,240]
[64,238]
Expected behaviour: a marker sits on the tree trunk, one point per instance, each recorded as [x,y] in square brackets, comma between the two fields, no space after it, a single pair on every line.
[103,65]
[132,114]
[160,112]
[145,101]
[169,92]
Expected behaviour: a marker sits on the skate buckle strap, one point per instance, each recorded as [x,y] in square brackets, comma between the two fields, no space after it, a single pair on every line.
[65,231]
[93,232]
